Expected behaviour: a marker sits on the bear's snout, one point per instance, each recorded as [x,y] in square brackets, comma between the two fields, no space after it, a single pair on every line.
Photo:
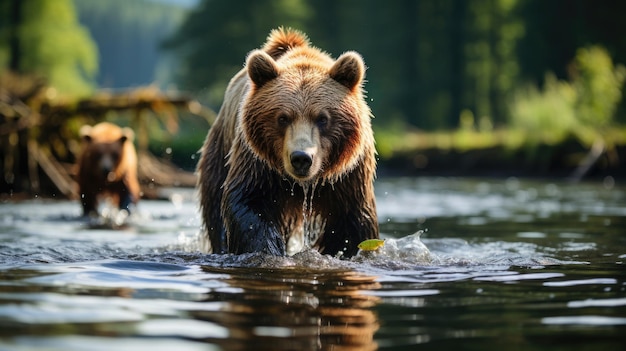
[106,165]
[301,162]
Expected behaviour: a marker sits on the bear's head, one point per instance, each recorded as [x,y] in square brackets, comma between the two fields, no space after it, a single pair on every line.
[305,114]
[104,148]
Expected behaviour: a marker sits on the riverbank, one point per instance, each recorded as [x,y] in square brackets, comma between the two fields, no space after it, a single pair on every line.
[504,155]
[451,154]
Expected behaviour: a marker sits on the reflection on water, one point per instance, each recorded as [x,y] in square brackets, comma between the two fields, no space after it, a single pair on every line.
[305,310]
[467,264]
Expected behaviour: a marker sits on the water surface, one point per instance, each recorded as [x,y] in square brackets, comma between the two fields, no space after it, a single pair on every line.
[528,265]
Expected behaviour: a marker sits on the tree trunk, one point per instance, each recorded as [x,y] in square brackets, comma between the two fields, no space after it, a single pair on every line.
[14,38]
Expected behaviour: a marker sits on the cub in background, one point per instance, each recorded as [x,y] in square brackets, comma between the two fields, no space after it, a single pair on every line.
[107,168]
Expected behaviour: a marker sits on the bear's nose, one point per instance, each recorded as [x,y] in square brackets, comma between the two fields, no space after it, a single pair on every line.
[106,171]
[301,162]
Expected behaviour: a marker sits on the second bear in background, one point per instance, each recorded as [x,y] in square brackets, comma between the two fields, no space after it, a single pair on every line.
[107,168]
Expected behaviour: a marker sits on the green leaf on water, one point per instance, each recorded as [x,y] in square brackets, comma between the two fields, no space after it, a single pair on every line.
[371,244]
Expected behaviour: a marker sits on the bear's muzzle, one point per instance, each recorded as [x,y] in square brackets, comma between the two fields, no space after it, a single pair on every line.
[301,163]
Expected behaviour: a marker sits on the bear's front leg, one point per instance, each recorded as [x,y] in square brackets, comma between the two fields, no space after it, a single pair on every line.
[89,201]
[344,230]
[126,198]
[351,217]
[250,224]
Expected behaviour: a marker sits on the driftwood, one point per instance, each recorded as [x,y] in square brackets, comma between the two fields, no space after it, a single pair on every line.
[155,173]
[144,98]
[25,107]
[54,170]
[597,149]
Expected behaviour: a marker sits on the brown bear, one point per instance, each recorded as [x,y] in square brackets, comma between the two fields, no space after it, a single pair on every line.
[291,154]
[107,167]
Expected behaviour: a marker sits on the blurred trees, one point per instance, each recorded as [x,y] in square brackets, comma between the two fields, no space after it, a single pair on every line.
[548,68]
[45,53]
[216,36]
[129,36]
[48,65]
[44,38]
[598,83]
[583,106]
[430,61]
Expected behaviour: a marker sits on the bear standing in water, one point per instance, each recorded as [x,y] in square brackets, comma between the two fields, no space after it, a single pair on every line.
[107,167]
[291,154]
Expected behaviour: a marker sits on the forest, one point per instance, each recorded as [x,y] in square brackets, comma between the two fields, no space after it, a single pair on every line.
[429,60]
[441,73]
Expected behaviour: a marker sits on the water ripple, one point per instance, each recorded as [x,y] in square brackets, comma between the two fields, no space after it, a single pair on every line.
[584,320]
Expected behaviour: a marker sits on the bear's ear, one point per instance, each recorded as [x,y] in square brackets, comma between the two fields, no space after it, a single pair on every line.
[261,68]
[128,134]
[85,133]
[348,70]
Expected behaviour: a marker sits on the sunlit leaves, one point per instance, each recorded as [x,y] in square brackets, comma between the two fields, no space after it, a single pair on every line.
[599,85]
[584,104]
[54,45]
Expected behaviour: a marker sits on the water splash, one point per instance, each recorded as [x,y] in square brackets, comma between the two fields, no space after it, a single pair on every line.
[310,223]
[408,250]
[305,235]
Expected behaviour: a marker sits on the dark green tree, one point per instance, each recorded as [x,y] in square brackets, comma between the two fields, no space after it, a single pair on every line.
[556,29]
[46,39]
[217,35]
[429,61]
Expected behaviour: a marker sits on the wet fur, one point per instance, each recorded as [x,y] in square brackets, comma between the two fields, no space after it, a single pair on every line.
[251,202]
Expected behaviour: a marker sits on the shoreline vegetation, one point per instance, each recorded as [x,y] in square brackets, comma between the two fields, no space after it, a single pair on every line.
[472,88]
[39,138]
[567,129]
[503,153]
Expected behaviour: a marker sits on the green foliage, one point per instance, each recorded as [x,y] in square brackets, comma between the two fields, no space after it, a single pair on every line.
[490,63]
[427,60]
[217,35]
[546,114]
[53,44]
[387,138]
[599,86]
[584,106]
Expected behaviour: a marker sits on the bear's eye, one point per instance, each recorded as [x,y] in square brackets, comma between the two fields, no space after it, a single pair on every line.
[322,120]
[284,120]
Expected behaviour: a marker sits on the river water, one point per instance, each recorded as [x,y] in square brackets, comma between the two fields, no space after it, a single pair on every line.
[470,264]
